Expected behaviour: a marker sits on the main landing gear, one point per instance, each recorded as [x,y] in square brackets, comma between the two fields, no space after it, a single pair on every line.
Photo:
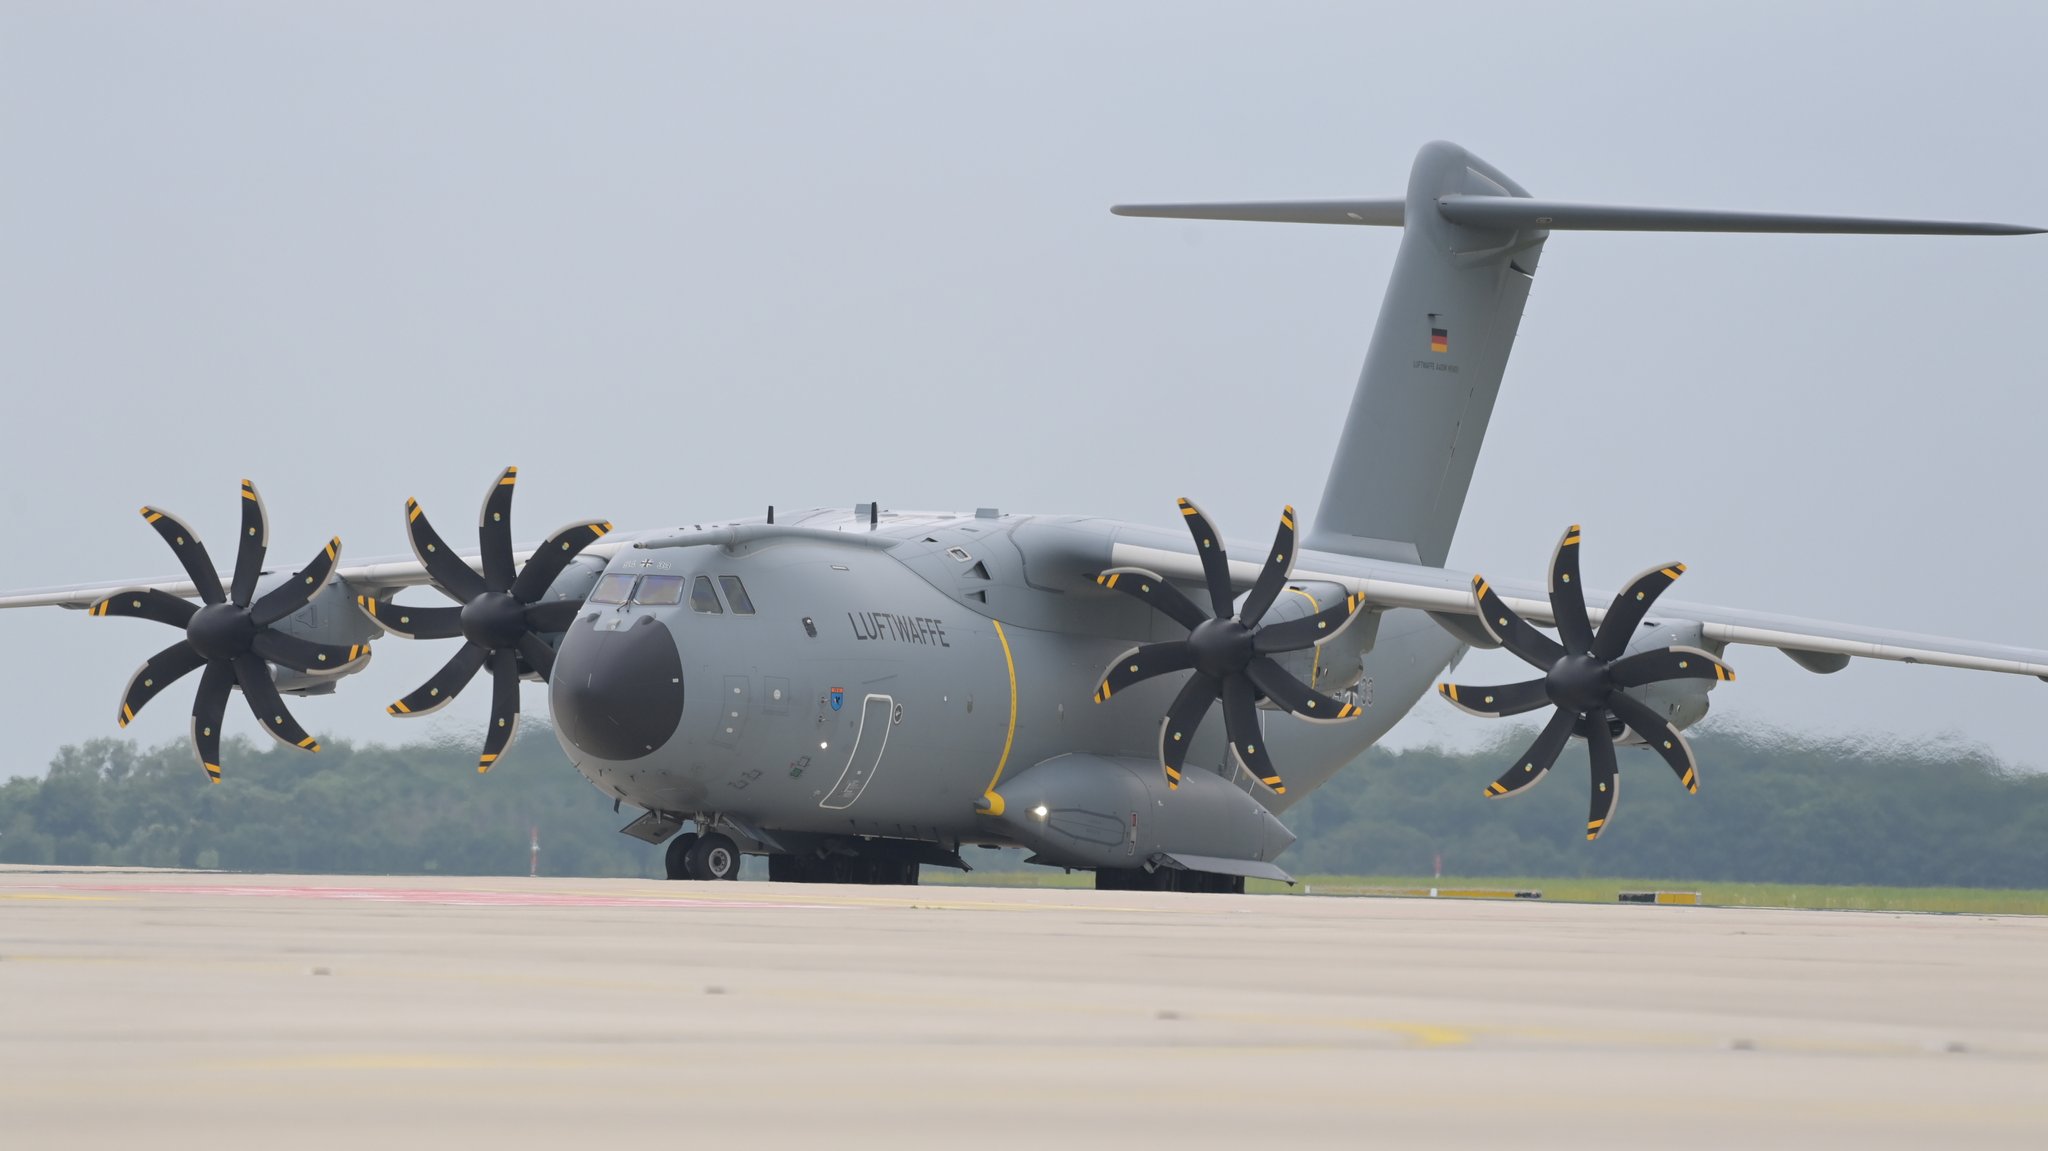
[877,869]
[706,856]
[1166,879]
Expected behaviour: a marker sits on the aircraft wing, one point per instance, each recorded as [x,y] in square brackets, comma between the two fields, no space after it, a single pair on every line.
[381,574]
[1817,645]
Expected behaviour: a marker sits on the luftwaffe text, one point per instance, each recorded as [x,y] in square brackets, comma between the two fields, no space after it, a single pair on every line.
[901,628]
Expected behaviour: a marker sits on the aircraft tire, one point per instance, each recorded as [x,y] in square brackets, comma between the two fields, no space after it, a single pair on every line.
[713,857]
[675,860]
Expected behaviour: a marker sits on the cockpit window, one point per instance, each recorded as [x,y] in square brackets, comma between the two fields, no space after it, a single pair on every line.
[616,588]
[659,589]
[736,594]
[703,598]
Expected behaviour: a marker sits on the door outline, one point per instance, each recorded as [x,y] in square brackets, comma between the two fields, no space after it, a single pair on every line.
[847,790]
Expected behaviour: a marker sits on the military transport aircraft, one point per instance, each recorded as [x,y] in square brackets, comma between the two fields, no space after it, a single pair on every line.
[856,693]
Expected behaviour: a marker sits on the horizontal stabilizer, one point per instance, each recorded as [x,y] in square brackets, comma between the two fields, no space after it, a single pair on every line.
[1379,213]
[1505,212]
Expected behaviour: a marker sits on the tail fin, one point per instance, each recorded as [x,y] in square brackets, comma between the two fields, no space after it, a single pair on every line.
[1454,301]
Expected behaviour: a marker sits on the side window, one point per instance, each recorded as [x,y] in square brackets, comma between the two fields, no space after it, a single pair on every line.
[660,589]
[736,595]
[703,599]
[615,588]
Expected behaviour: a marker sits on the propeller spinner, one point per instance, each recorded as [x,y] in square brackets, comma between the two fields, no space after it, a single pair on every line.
[500,617]
[1230,654]
[230,636]
[1585,678]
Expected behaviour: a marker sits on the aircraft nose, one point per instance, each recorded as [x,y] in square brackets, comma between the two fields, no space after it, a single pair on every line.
[617,694]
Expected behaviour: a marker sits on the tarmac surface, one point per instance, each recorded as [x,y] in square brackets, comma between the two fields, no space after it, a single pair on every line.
[169,1009]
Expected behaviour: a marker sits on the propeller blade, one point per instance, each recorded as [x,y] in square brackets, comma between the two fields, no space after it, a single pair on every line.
[1663,738]
[1514,633]
[550,558]
[304,655]
[504,705]
[412,622]
[260,691]
[1629,608]
[1567,598]
[538,655]
[148,603]
[1606,775]
[445,685]
[1152,588]
[1241,724]
[191,553]
[1296,697]
[1183,718]
[209,706]
[1504,699]
[1142,663]
[291,595]
[1273,576]
[1537,761]
[1304,633]
[456,579]
[494,526]
[250,546]
[1669,663]
[161,671]
[554,615]
[1215,562]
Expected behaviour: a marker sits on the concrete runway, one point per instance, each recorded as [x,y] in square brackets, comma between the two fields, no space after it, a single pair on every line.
[166,1009]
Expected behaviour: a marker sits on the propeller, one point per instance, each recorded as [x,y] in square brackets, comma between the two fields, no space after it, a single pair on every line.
[1585,678]
[231,637]
[500,617]
[1230,655]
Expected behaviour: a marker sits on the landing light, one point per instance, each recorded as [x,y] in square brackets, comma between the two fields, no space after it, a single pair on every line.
[1039,811]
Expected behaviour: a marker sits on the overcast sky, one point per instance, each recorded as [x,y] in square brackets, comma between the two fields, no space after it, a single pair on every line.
[681,261]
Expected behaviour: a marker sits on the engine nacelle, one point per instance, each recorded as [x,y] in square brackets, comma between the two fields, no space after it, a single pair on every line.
[331,616]
[1681,701]
[1339,664]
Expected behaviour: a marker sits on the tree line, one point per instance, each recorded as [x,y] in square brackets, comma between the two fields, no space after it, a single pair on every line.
[1771,808]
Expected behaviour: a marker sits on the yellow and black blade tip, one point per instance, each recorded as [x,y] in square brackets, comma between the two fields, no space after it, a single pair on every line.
[1567,596]
[1494,701]
[1606,775]
[1142,663]
[1629,608]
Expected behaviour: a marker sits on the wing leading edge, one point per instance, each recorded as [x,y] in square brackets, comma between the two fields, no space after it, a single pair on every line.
[1818,645]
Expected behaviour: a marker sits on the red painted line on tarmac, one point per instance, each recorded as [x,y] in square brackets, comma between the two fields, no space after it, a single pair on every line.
[444,897]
